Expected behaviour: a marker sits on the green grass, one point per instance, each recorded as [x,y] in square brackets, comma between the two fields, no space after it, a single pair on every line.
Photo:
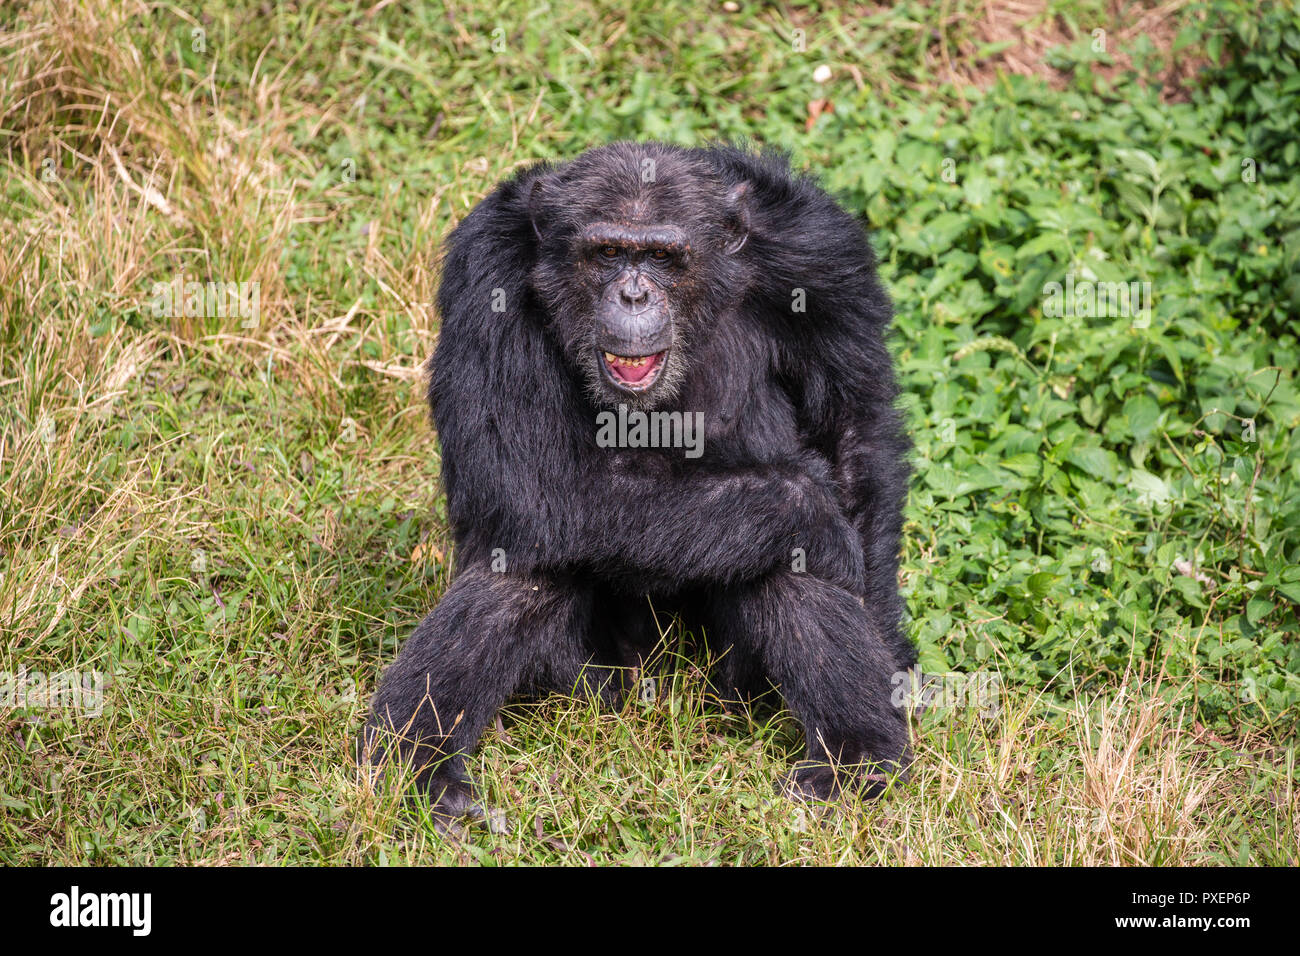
[239,526]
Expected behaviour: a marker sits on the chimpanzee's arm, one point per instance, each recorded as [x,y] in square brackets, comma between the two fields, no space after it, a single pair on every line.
[818,293]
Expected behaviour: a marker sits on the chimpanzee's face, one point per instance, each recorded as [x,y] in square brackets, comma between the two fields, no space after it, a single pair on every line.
[633,268]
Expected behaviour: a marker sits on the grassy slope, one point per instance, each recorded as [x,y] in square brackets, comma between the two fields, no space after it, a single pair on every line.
[240,526]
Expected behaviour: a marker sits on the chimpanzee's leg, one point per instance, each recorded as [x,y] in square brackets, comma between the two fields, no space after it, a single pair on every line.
[817,643]
[491,635]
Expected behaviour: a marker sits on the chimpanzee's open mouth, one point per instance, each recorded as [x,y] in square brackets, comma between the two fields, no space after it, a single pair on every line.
[634,373]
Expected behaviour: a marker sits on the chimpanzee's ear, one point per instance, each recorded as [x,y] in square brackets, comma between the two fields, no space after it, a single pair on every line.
[737,210]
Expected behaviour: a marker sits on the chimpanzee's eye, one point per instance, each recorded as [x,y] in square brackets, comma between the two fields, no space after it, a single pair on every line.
[609,252]
[660,255]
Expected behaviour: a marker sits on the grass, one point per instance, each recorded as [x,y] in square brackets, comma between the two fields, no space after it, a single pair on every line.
[238,525]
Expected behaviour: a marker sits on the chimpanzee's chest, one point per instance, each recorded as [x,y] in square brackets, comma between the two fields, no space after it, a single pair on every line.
[748,418]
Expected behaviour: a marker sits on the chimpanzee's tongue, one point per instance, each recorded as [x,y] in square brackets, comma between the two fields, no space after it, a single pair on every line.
[633,370]
[634,373]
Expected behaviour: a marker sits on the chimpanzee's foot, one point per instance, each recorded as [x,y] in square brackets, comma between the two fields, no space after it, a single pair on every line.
[811,781]
[453,802]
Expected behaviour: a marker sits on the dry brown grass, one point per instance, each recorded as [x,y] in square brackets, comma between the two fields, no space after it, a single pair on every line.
[984,39]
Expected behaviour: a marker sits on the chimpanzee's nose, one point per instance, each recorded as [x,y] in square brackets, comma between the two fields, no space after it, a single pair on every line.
[634,295]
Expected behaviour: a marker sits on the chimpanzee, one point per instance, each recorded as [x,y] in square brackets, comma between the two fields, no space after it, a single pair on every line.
[661,381]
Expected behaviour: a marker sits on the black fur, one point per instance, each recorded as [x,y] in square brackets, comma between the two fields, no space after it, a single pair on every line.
[803,449]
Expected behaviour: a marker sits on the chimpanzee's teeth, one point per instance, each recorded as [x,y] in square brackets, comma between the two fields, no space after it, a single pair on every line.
[613,359]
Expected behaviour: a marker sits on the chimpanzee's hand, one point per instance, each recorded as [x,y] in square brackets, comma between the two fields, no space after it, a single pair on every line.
[825,543]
